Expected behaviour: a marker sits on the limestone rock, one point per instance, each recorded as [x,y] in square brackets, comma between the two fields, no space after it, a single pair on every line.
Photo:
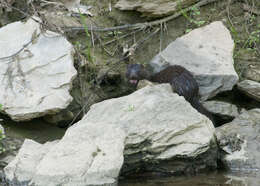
[149,128]
[153,8]
[158,131]
[250,88]
[239,141]
[36,79]
[252,72]
[144,83]
[208,53]
[222,109]
[22,168]
[88,154]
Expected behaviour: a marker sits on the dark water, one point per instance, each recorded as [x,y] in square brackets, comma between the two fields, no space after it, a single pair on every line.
[211,179]
[37,129]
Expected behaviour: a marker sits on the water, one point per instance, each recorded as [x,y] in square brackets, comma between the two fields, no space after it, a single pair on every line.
[211,179]
[37,130]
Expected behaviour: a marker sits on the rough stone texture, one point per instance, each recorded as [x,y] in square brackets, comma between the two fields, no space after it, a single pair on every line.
[222,109]
[144,83]
[148,127]
[88,154]
[22,168]
[37,81]
[157,130]
[250,88]
[252,72]
[208,53]
[239,141]
[153,8]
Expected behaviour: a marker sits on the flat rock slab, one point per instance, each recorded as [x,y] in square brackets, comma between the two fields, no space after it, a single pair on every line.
[87,155]
[208,53]
[222,109]
[36,79]
[21,170]
[158,131]
[148,128]
[153,8]
[250,88]
[239,142]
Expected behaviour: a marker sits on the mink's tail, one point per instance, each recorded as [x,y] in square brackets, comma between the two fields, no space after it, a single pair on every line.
[200,108]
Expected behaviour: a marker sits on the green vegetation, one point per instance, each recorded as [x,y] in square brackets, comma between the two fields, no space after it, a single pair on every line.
[2,137]
[247,41]
[192,17]
[131,108]
[88,39]
[252,40]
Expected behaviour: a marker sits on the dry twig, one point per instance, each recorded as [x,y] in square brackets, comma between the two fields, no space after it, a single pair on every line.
[139,25]
[251,9]
[20,50]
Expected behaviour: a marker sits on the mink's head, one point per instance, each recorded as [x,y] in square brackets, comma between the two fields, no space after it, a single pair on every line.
[134,73]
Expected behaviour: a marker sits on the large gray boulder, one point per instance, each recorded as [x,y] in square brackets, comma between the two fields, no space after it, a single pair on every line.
[239,142]
[153,8]
[22,168]
[36,71]
[158,131]
[152,128]
[88,154]
[208,53]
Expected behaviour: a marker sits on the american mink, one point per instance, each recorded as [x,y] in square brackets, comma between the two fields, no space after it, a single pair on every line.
[181,80]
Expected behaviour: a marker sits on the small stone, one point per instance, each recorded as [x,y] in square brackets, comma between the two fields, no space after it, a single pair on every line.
[144,83]
[250,88]
[152,8]
[239,142]
[222,109]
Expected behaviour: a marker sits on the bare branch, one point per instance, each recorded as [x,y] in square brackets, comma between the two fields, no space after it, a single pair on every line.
[251,9]
[20,50]
[139,25]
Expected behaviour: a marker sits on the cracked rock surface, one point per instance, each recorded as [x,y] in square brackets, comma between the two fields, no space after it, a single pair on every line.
[209,58]
[36,71]
[145,129]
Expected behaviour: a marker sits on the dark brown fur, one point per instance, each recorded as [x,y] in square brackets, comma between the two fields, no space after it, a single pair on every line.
[181,80]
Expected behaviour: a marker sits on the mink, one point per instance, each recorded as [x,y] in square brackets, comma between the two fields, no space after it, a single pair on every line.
[180,79]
